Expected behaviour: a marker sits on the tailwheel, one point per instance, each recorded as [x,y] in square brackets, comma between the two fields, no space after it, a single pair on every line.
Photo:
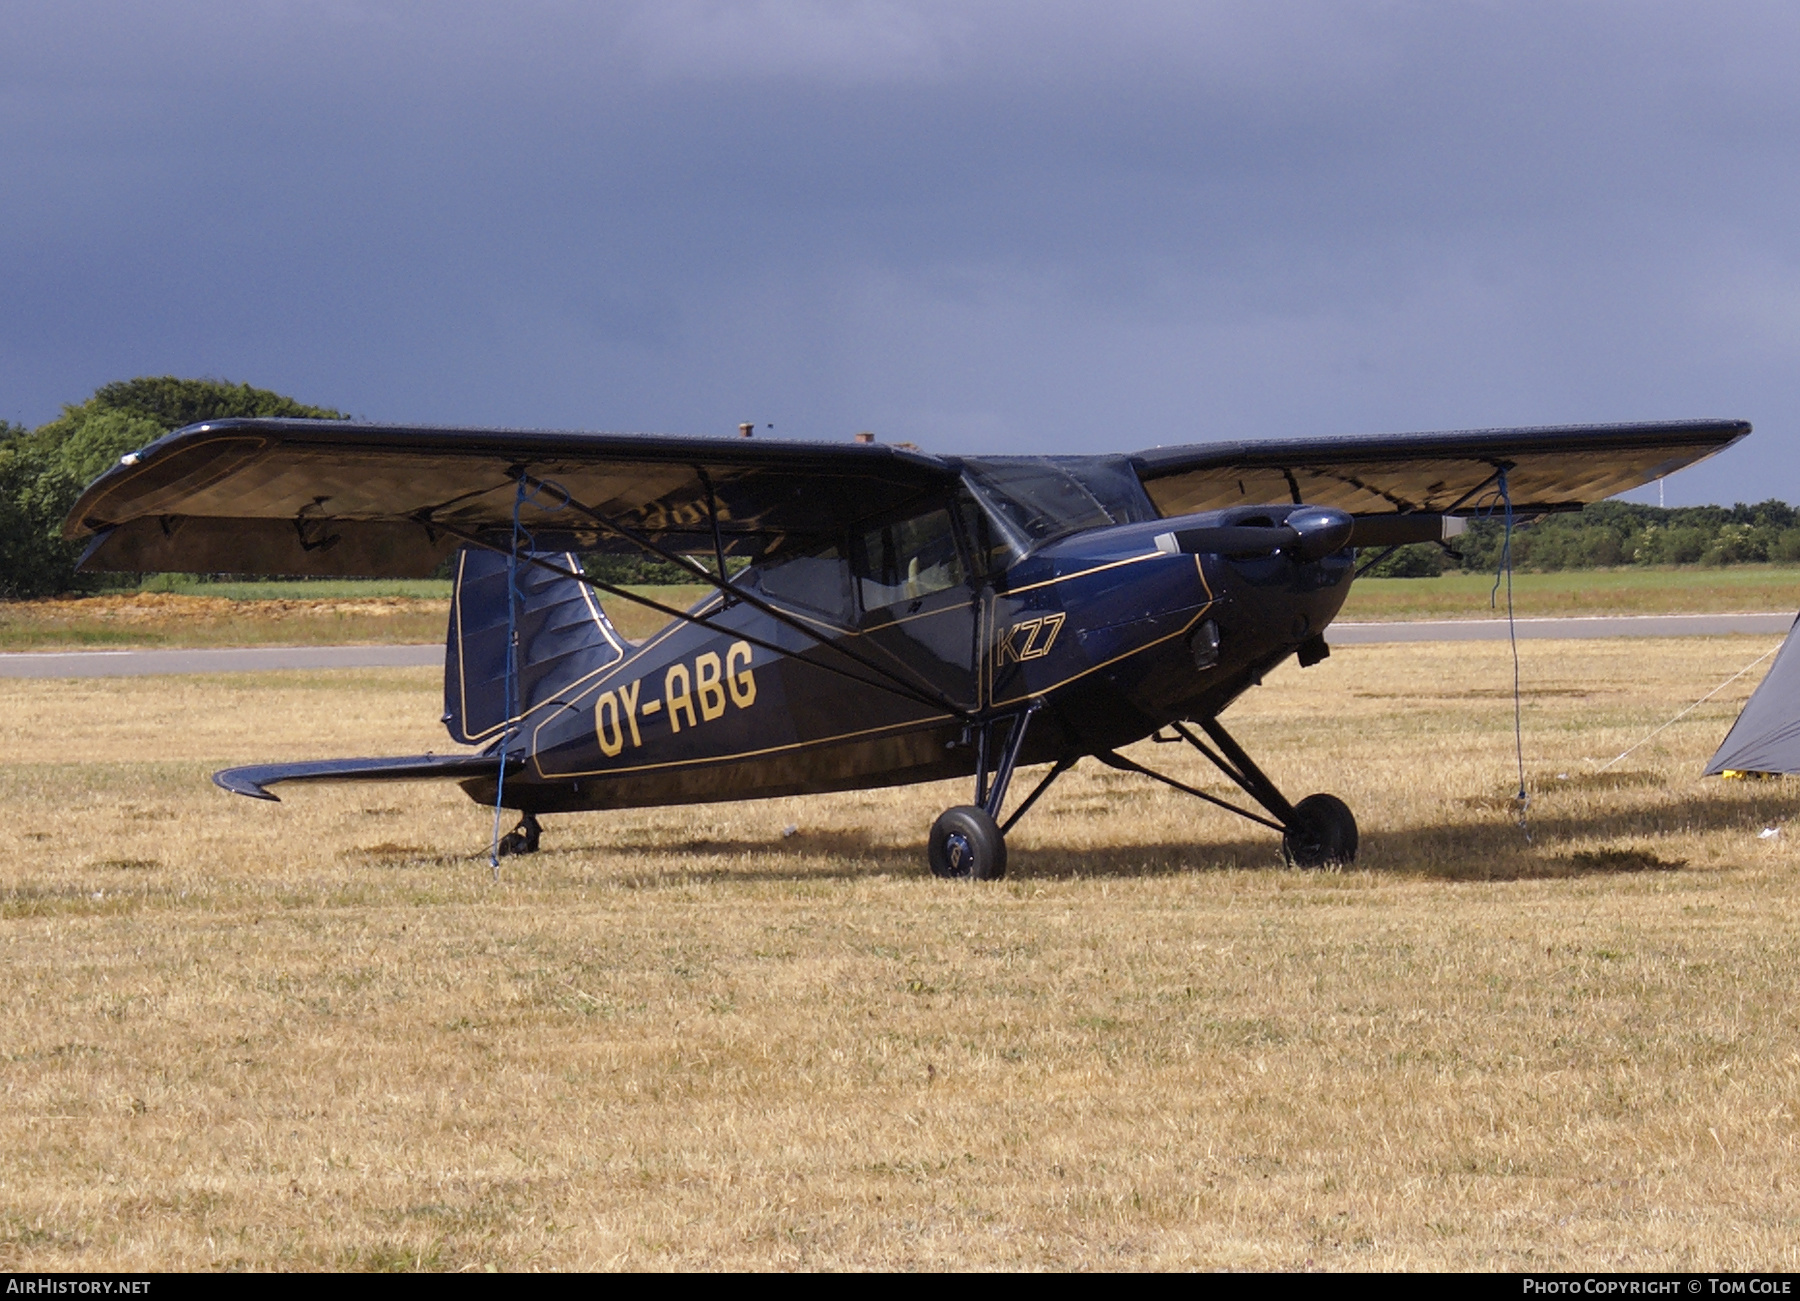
[522,839]
[1322,833]
[966,843]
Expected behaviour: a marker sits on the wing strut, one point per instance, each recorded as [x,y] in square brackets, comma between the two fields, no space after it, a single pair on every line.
[893,684]
[929,695]
[1500,469]
[1113,759]
[712,516]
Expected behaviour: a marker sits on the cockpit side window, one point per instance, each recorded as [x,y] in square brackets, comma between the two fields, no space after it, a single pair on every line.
[904,559]
[813,576]
[990,549]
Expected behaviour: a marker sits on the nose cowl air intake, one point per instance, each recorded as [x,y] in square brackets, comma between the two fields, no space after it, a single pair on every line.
[1308,533]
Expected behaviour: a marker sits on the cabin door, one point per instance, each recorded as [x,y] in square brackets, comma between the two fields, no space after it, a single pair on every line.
[916,604]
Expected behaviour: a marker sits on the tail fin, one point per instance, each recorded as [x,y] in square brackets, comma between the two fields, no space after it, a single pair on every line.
[561,634]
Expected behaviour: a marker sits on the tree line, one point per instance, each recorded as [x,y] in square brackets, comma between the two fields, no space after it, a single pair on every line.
[43,470]
[1611,534]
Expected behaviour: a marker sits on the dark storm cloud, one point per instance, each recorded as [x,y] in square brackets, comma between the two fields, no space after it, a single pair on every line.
[977,226]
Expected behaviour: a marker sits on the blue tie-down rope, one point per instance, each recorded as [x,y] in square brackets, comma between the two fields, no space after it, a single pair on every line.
[521,541]
[1522,800]
[512,656]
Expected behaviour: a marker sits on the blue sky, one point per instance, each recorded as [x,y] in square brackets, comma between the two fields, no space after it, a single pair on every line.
[981,227]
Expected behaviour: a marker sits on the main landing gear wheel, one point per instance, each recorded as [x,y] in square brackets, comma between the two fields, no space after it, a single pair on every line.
[1321,834]
[522,839]
[966,843]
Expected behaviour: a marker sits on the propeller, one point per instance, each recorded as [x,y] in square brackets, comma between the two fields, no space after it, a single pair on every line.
[1310,533]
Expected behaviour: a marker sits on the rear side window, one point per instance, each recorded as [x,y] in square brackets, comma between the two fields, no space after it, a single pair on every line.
[815,578]
[905,559]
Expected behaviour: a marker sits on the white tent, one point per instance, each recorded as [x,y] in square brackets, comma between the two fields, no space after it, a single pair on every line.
[1766,736]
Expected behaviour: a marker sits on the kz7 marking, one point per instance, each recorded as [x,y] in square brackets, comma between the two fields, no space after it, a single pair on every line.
[1032,639]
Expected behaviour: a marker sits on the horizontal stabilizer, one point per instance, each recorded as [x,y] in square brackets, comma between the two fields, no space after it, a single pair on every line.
[254,781]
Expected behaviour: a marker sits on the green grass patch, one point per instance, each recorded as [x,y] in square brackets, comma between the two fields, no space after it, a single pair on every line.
[1637,589]
[299,589]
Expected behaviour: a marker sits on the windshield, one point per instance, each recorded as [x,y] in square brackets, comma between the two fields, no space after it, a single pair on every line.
[1047,497]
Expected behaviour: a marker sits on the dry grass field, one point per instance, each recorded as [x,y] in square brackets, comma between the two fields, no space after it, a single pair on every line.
[143,619]
[319,1034]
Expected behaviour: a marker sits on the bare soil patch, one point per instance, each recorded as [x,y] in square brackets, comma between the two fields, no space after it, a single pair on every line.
[170,619]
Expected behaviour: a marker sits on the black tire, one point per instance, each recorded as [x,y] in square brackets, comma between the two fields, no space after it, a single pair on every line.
[1322,834]
[966,844]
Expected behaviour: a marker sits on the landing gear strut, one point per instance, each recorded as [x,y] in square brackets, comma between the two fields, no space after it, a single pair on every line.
[1319,831]
[522,839]
[968,841]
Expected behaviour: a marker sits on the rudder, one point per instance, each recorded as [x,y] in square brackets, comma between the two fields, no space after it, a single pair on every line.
[562,634]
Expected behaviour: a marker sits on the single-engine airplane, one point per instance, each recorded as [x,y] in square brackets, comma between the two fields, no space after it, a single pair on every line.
[878,615]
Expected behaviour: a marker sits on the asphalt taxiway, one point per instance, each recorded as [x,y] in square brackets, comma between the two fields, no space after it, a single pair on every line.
[263,659]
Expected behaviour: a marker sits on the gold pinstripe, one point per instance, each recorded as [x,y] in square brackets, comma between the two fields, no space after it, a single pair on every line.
[912,724]
[988,674]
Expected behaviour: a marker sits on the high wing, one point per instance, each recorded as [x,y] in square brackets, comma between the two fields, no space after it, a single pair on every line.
[336,498]
[318,497]
[1547,469]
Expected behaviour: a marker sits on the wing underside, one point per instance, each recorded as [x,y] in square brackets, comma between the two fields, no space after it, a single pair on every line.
[1546,469]
[332,498]
[327,497]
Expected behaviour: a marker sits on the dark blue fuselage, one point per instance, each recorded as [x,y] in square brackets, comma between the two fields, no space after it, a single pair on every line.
[1111,632]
